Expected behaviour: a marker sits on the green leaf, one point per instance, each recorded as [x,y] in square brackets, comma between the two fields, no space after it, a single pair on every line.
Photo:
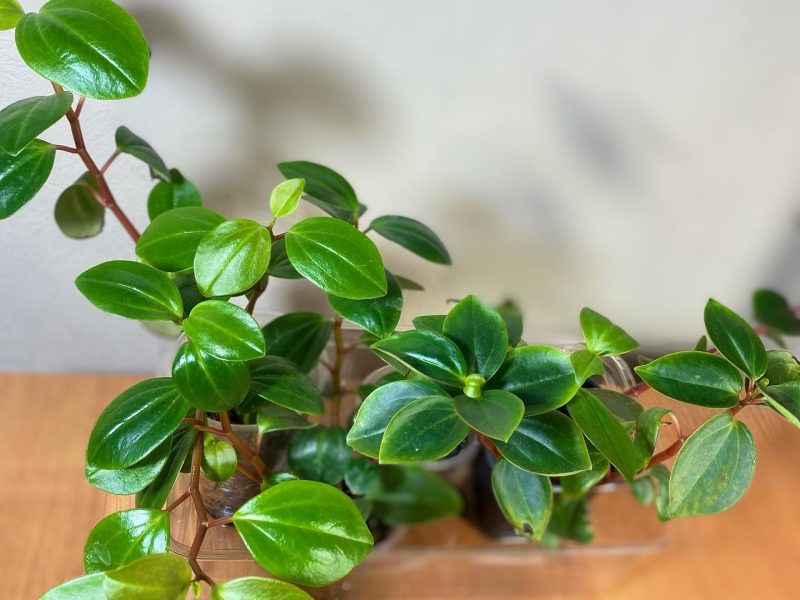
[604,431]
[279,264]
[78,213]
[131,479]
[409,284]
[153,577]
[412,235]
[646,434]
[219,459]
[643,490]
[324,188]
[207,382]
[426,429]
[694,377]
[570,520]
[512,315]
[586,364]
[379,316]
[277,380]
[130,143]
[785,398]
[429,353]
[132,290]
[625,408]
[156,492]
[701,345]
[337,257]
[170,242]
[22,122]
[430,322]
[177,192]
[548,444]
[125,536]
[299,337]
[413,495]
[541,375]
[135,423]
[277,418]
[496,413]
[87,587]
[579,484]
[320,454]
[288,534]
[774,311]
[480,334]
[232,257]
[257,588]
[91,47]
[224,330]
[10,14]
[602,336]
[526,499]
[22,176]
[361,475]
[735,339]
[713,468]
[782,367]
[285,197]
[379,407]
[661,475]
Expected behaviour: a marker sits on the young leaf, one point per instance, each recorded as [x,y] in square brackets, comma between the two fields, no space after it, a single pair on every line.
[130,143]
[579,484]
[285,197]
[426,352]
[91,47]
[132,290]
[694,377]
[379,407]
[549,444]
[176,192]
[78,213]
[299,337]
[701,345]
[130,479]
[22,176]
[661,475]
[170,242]
[602,336]
[125,536]
[774,311]
[512,315]
[156,492]
[279,263]
[361,475]
[86,587]
[23,121]
[253,588]
[320,454]
[324,188]
[412,495]
[735,339]
[782,367]
[232,257]
[541,375]
[379,316]
[224,330]
[785,398]
[287,533]
[10,14]
[275,379]
[713,468]
[426,429]
[430,322]
[207,382]
[153,577]
[480,334]
[277,418]
[646,434]
[135,423]
[526,499]
[412,235]
[586,364]
[337,257]
[496,413]
[219,459]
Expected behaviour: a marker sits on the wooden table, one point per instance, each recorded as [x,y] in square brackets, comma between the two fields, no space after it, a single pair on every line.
[749,552]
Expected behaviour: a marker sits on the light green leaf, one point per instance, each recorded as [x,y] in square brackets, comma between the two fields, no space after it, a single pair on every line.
[412,235]
[586,364]
[285,197]
[774,311]
[782,367]
[603,337]
[429,353]
[224,330]
[785,398]
[646,434]
[170,242]
[153,577]
[320,454]
[78,213]
[207,382]
[130,479]
[299,337]
[22,176]
[701,345]
[496,413]
[277,418]
[412,495]
[219,459]
[430,322]
[10,14]
[22,122]
[87,587]
[379,316]
[324,188]
[526,499]
[125,536]
[735,339]
[156,492]
[275,379]
[130,143]
[257,588]
[480,334]
[176,192]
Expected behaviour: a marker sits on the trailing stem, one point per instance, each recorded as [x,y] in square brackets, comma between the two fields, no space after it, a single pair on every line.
[199,507]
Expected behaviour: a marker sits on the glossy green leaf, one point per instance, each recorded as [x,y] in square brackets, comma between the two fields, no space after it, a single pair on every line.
[10,14]
[320,454]
[277,477]
[324,188]
[409,284]
[430,322]
[91,47]
[22,176]
[625,408]
[170,242]
[541,375]
[548,444]
[135,423]
[279,263]
[379,407]
[602,336]
[525,498]
[130,143]
[87,587]
[224,330]
[130,479]
[412,495]
[153,577]
[337,257]
[257,588]
[735,339]
[379,316]
[648,425]
[361,475]
[277,380]
[480,333]
[713,468]
[207,382]
[299,337]
[782,367]
[232,257]
[604,431]
[586,364]
[425,429]
[694,377]
[661,475]
[155,494]
[496,413]
[277,418]
[774,311]
[429,353]
[22,122]
[579,484]
[291,537]
[176,192]
[125,536]
[78,214]
[285,197]
[412,235]
[785,398]
[570,520]
[132,290]
[219,459]
[512,315]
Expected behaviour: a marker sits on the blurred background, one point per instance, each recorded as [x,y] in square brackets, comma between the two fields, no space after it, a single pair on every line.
[636,157]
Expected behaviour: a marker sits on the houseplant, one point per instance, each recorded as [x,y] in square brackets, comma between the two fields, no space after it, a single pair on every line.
[467,371]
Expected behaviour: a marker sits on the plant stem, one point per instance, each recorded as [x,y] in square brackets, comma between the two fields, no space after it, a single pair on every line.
[259,288]
[199,507]
[218,522]
[178,501]
[110,160]
[487,443]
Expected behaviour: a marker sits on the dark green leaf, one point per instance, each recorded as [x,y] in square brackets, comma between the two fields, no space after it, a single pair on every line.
[279,264]
[430,322]
[735,339]
[570,520]
[153,577]
[300,337]
[224,330]
[285,197]
[324,188]
[480,334]
[207,382]
[277,380]
[412,235]
[379,316]
[408,284]
[277,418]
[320,454]
[78,213]
[496,413]
[169,243]
[125,536]
[131,479]
[130,143]
[694,377]
[586,364]
[774,311]
[429,353]
[277,477]
[219,459]
[337,257]
[22,176]
[512,315]
[602,336]
[91,47]
[288,534]
[625,408]
[10,14]
[177,192]
[526,499]
[713,468]
[413,495]
[579,484]
[646,434]
[785,398]
[257,588]
[87,587]
[157,491]
[361,475]
[23,121]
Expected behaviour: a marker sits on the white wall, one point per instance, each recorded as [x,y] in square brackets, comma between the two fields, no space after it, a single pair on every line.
[633,156]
